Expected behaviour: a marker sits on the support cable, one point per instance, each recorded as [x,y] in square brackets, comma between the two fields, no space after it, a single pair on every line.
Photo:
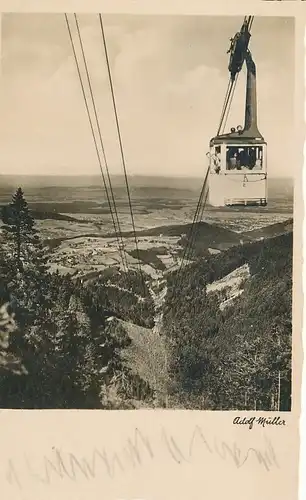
[229,104]
[227,94]
[89,117]
[192,230]
[196,232]
[115,217]
[121,150]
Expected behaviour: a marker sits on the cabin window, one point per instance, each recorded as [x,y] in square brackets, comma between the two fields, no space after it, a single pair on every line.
[244,158]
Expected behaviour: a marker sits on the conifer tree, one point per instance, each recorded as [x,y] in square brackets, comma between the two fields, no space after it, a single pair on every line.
[19,226]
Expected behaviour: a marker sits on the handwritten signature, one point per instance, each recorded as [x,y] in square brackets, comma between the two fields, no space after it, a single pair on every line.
[133,454]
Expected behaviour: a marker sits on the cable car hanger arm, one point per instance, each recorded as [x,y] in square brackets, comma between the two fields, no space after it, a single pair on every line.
[239,47]
[238,52]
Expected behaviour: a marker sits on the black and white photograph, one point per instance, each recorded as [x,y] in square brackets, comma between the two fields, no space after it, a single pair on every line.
[146,196]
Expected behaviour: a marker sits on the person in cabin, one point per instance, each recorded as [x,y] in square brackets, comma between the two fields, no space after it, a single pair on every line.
[244,159]
[228,158]
[252,158]
[258,164]
[217,161]
[233,157]
[240,162]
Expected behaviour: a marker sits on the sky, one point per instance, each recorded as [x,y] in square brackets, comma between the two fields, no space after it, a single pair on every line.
[169,75]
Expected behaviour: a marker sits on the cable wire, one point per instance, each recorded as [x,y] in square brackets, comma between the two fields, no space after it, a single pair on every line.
[227,97]
[119,234]
[195,230]
[88,113]
[197,227]
[230,103]
[121,149]
[192,230]
[223,109]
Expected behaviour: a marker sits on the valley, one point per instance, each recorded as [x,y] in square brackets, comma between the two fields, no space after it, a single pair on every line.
[175,338]
[160,250]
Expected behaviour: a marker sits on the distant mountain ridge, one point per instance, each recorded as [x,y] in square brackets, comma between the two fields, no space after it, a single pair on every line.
[208,235]
[51,215]
[271,230]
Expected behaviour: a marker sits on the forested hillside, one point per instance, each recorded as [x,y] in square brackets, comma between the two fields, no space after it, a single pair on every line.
[238,357]
[56,330]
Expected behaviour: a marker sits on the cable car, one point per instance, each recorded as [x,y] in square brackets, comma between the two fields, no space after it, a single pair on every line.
[238,160]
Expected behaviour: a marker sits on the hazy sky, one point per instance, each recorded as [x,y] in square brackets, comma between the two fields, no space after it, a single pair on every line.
[170,77]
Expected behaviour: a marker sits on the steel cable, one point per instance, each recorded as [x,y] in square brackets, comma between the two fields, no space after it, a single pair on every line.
[121,150]
[90,120]
[119,234]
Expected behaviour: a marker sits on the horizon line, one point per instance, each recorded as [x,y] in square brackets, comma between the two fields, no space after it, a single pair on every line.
[129,175]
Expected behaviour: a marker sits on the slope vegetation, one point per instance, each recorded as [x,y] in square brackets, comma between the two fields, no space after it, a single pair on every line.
[233,357]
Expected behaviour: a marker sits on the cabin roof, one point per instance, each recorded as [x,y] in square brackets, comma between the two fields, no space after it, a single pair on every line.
[237,138]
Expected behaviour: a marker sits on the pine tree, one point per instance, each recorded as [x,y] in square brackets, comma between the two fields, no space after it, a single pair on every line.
[19,226]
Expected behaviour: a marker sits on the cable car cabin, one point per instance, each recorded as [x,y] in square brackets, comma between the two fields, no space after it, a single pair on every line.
[238,171]
[238,160]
